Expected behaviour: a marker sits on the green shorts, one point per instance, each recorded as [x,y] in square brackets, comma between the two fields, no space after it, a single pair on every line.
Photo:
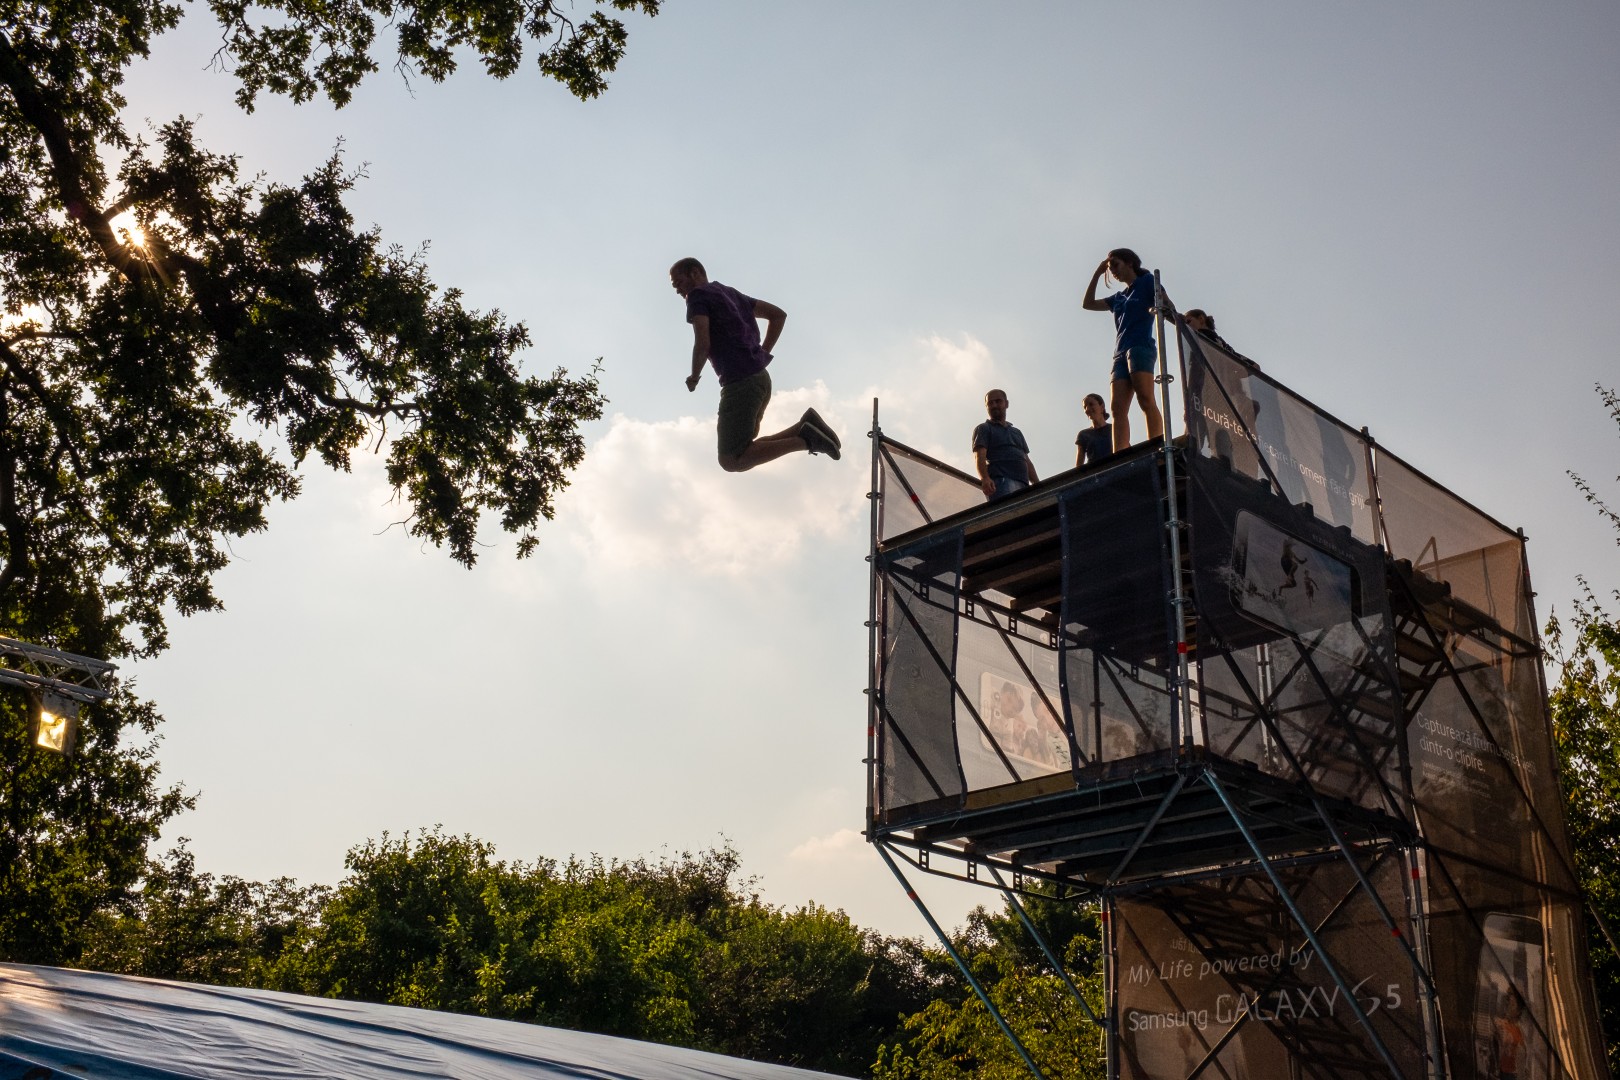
[742,407]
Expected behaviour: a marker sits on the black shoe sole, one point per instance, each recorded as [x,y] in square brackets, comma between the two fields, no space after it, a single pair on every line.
[828,447]
[812,417]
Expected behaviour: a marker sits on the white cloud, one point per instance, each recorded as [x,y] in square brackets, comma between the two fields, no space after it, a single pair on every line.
[933,395]
[845,845]
[650,494]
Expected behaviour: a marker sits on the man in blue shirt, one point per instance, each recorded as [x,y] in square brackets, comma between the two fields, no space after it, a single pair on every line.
[1000,452]
[725,333]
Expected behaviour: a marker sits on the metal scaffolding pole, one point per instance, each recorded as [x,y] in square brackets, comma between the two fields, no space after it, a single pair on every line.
[872,685]
[1304,924]
[945,940]
[1181,699]
[1040,939]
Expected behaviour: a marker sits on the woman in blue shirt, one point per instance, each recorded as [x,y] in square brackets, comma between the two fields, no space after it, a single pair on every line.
[1136,353]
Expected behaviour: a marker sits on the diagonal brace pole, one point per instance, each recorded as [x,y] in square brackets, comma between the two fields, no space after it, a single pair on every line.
[1040,939]
[1266,716]
[1147,830]
[944,940]
[1304,924]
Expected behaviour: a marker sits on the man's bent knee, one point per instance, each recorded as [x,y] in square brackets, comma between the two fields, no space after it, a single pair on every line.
[732,463]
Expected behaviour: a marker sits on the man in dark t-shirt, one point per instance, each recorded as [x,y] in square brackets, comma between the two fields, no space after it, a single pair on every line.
[725,333]
[1000,452]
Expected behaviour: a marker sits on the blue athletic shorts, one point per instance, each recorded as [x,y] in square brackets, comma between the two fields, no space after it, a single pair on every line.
[1139,358]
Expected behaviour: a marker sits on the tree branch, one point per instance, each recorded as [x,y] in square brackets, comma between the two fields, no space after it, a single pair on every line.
[401,409]
[66,162]
[10,519]
[63,424]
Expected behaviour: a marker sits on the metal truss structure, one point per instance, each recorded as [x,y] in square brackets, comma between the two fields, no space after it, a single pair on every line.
[44,670]
[1273,701]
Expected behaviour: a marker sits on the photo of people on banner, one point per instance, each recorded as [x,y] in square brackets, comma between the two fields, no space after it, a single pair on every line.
[1022,725]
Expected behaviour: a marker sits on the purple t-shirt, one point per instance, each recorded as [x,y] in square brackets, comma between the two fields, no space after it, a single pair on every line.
[734,347]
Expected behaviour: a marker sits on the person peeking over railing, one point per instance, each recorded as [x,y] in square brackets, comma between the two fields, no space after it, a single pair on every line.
[1000,452]
[1203,323]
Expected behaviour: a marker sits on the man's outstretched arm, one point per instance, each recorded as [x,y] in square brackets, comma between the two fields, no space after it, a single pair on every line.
[774,318]
[700,349]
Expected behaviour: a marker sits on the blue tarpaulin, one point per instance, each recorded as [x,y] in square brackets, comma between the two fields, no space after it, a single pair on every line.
[59,1024]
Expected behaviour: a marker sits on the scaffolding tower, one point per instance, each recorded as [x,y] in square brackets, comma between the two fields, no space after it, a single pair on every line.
[1272,699]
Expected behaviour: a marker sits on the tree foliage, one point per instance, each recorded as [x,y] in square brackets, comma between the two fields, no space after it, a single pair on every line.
[677,951]
[176,340]
[1585,708]
[955,1037]
[197,928]
[73,832]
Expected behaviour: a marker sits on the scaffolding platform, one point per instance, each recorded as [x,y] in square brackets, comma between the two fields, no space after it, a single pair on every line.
[1141,818]
[1272,699]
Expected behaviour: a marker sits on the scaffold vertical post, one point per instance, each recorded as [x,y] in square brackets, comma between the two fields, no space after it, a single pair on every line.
[1181,698]
[1418,915]
[873,683]
[944,940]
[1110,1025]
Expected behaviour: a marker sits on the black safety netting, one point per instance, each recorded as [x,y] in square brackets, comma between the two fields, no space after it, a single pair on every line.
[1262,431]
[1011,722]
[1506,926]
[917,759]
[1510,963]
[1477,562]
[1295,658]
[1022,645]
[1117,656]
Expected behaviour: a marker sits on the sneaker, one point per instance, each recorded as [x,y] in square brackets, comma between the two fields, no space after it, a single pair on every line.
[817,440]
[812,417]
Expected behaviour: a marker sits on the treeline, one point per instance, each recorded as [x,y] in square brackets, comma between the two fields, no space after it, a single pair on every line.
[683,951]
[677,951]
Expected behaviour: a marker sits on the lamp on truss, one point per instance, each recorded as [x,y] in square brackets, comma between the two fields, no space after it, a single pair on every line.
[56,683]
[56,723]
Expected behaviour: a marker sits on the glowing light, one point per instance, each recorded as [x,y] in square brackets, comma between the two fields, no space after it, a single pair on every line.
[53,731]
[127,229]
[56,725]
[25,317]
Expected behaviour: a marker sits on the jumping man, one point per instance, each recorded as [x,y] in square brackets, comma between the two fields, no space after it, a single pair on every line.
[725,333]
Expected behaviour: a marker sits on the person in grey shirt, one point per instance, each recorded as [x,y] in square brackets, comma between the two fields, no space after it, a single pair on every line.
[1000,452]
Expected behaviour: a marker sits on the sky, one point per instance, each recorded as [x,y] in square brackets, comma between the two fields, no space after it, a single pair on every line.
[1406,213]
